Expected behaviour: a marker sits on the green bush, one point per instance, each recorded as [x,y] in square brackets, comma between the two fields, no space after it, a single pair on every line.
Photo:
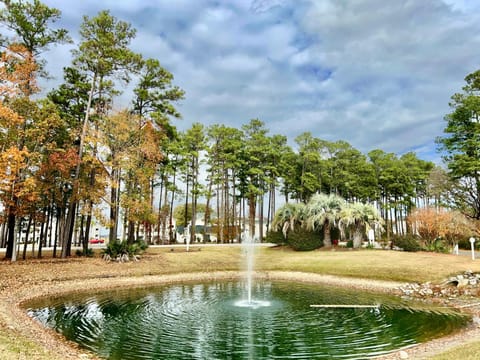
[275,237]
[139,246]
[350,244]
[119,248]
[438,245]
[407,243]
[303,240]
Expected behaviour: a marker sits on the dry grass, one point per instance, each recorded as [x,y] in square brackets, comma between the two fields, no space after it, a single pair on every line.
[369,264]
[17,279]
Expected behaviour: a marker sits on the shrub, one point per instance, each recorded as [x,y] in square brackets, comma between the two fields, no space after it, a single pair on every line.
[407,243]
[122,251]
[438,245]
[350,244]
[432,223]
[275,237]
[304,240]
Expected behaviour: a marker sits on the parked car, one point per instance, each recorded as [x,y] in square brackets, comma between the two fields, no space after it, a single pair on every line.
[96,241]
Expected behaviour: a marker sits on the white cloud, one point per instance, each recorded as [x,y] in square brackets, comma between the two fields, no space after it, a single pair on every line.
[378,74]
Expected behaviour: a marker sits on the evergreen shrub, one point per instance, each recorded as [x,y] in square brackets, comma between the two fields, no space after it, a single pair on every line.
[123,250]
[439,245]
[407,243]
[275,237]
[304,240]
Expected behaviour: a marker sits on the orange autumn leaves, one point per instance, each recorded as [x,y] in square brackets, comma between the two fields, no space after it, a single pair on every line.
[26,131]
[17,72]
[431,223]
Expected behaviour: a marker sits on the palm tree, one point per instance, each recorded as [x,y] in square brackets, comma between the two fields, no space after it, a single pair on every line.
[359,218]
[287,217]
[322,211]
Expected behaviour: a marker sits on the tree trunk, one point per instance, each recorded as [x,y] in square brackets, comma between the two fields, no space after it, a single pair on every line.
[57,231]
[83,237]
[148,235]
[11,220]
[185,219]
[27,233]
[159,217]
[50,226]
[113,207]
[206,215]
[194,199]
[260,219]
[42,233]
[327,237]
[219,214]
[171,234]
[2,235]
[75,188]
[395,216]
[387,217]
[15,240]
[234,208]
[88,224]
[226,207]
[34,235]
[131,232]
[165,214]
[70,229]
[252,210]
[357,237]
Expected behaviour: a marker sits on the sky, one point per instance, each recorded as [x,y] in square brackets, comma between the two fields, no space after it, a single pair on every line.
[377,74]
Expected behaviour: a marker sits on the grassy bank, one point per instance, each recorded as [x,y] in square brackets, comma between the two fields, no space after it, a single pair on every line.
[20,278]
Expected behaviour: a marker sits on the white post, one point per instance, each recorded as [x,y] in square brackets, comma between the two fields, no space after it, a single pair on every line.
[187,236]
[371,237]
[455,249]
[472,243]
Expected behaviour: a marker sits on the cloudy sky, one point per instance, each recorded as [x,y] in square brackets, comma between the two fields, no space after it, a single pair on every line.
[378,74]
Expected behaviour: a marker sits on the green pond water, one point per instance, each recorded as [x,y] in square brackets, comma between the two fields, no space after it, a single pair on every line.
[207,321]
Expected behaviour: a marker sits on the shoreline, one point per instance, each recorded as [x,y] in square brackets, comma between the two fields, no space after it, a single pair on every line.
[14,316]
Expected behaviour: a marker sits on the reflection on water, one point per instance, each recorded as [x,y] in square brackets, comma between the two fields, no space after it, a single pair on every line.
[204,321]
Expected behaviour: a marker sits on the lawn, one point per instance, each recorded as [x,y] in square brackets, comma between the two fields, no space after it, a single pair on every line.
[20,278]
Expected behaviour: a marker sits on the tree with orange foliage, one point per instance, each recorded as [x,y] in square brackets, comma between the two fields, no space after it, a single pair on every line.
[16,81]
[137,199]
[17,73]
[28,131]
[431,224]
[29,23]
[427,223]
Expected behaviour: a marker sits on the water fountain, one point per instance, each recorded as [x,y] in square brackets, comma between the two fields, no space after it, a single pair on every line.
[248,245]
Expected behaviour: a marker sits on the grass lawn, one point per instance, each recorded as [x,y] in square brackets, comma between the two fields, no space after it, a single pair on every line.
[469,351]
[14,347]
[369,264]
[366,264]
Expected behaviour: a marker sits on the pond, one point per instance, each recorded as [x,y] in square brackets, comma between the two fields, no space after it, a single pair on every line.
[205,321]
